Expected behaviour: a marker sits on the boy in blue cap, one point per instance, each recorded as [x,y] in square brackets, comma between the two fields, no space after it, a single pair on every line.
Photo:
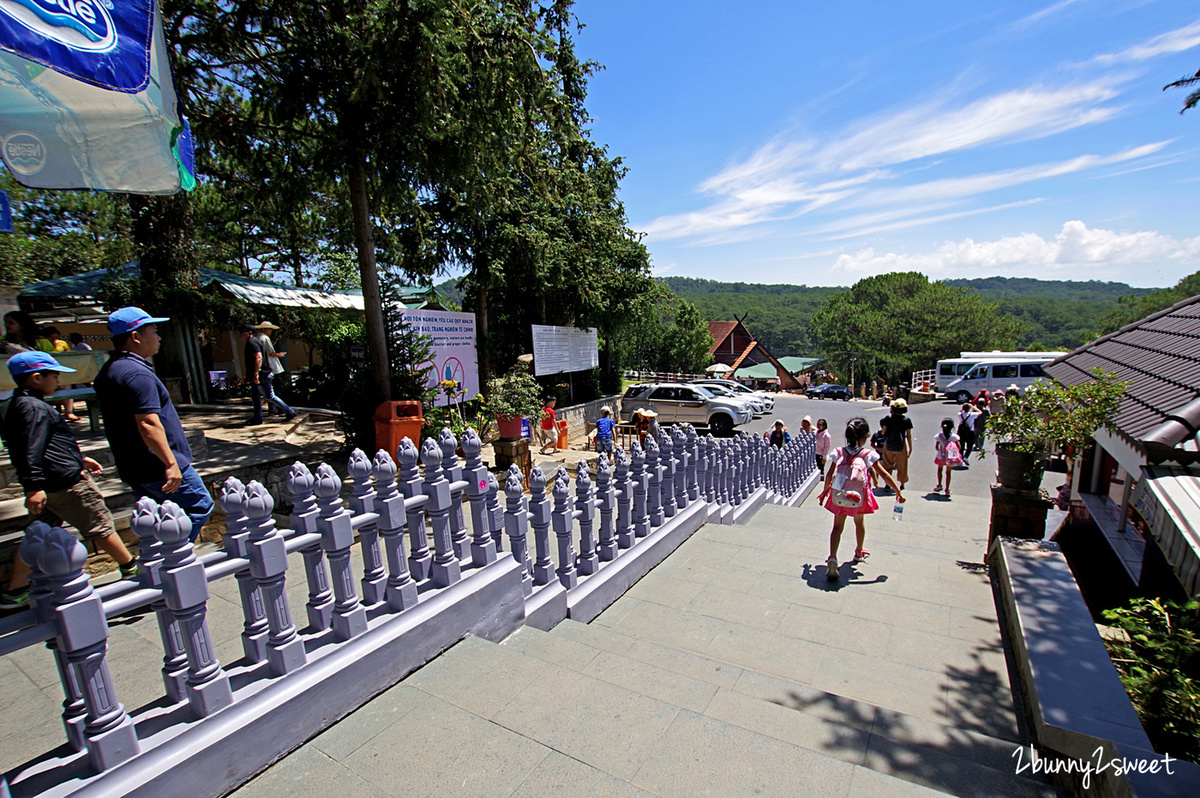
[142,425]
[50,467]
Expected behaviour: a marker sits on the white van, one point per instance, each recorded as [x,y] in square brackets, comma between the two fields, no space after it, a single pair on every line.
[954,368]
[996,376]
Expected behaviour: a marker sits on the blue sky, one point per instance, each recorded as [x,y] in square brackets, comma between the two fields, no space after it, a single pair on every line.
[819,143]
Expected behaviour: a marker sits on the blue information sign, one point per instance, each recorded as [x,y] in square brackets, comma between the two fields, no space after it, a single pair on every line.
[6,225]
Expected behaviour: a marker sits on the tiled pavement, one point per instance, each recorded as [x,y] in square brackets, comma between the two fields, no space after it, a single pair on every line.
[734,668]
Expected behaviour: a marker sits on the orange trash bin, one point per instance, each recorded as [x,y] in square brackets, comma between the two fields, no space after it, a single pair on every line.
[562,433]
[395,421]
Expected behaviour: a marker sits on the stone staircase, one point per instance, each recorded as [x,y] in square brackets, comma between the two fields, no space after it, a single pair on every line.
[734,668]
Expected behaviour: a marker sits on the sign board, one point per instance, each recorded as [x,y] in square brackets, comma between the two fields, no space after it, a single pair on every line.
[558,350]
[454,354]
[6,222]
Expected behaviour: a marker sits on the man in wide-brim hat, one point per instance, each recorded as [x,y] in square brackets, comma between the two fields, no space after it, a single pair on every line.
[273,358]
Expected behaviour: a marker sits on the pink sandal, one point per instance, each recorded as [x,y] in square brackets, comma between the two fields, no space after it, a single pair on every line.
[861,554]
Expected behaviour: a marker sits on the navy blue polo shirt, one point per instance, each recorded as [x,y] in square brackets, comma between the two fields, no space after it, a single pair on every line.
[127,386]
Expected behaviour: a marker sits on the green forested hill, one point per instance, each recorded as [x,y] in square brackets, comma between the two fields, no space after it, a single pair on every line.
[1058,314]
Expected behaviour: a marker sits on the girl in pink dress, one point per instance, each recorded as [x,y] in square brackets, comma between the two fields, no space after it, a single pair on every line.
[947,453]
[857,433]
[823,444]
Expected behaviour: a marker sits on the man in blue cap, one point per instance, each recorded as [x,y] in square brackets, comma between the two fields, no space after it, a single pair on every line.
[142,425]
[57,478]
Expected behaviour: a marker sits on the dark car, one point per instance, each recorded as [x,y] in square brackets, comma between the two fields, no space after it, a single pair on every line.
[829,392]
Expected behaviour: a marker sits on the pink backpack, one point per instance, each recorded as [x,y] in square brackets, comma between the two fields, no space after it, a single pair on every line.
[952,454]
[850,479]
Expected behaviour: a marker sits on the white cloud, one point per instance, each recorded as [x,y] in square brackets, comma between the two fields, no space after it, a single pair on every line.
[1076,247]
[1175,41]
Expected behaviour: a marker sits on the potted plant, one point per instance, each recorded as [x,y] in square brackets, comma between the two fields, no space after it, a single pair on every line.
[1050,419]
[512,397]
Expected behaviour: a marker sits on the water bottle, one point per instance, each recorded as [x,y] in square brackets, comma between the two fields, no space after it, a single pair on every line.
[897,512]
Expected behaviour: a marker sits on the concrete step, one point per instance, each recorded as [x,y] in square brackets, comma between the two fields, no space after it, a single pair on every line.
[892,743]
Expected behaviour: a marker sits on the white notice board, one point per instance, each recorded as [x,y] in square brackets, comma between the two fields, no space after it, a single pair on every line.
[563,349]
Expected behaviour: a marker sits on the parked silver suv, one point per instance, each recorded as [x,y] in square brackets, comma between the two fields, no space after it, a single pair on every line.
[677,403]
[762,397]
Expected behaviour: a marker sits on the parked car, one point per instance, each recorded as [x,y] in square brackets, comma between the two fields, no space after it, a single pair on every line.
[754,402]
[677,403]
[828,392]
[767,400]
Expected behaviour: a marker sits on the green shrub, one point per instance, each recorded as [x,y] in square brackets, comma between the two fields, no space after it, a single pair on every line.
[1159,662]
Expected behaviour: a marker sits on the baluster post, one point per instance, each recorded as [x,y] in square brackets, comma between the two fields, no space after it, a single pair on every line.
[539,511]
[623,489]
[304,516]
[495,513]
[516,524]
[420,560]
[446,569]
[174,667]
[452,471]
[362,501]
[706,468]
[561,518]
[682,465]
[268,568]
[483,548]
[585,505]
[666,459]
[82,637]
[337,537]
[654,492]
[640,481]
[185,588]
[693,465]
[235,542]
[401,590]
[606,502]
[74,710]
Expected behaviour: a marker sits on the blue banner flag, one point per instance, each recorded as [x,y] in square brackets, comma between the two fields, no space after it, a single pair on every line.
[86,97]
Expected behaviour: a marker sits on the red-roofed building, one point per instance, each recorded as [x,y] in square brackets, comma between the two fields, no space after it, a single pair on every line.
[734,346]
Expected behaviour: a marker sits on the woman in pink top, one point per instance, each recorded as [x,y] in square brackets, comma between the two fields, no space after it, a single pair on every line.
[824,444]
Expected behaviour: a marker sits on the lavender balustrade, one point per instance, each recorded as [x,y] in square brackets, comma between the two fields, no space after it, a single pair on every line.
[516,524]
[539,519]
[254,614]
[420,560]
[561,517]
[623,488]
[337,538]
[606,503]
[185,587]
[452,471]
[74,709]
[304,516]
[82,638]
[483,547]
[666,460]
[446,568]
[401,590]
[654,504]
[362,502]
[585,511]
[640,482]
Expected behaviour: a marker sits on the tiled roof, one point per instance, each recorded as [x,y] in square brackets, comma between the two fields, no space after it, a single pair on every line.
[720,330]
[1160,357]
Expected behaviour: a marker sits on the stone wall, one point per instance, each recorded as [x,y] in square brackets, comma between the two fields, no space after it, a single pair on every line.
[578,416]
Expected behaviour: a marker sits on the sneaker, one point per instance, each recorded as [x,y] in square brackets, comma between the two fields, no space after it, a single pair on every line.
[831,568]
[947,493]
[861,554]
[130,569]
[289,416]
[14,599]
[938,489]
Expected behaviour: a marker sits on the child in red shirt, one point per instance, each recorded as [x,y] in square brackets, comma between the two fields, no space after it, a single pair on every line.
[549,435]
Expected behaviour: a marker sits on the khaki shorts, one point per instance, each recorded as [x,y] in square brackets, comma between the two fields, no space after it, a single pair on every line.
[896,461]
[81,506]
[548,436]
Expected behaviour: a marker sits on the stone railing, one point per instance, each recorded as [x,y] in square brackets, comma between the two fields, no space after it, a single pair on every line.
[423,576]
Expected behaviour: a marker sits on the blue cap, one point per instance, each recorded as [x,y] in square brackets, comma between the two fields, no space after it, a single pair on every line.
[26,362]
[129,319]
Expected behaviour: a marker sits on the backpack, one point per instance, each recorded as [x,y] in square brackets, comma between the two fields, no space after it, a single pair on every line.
[850,479]
[952,454]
